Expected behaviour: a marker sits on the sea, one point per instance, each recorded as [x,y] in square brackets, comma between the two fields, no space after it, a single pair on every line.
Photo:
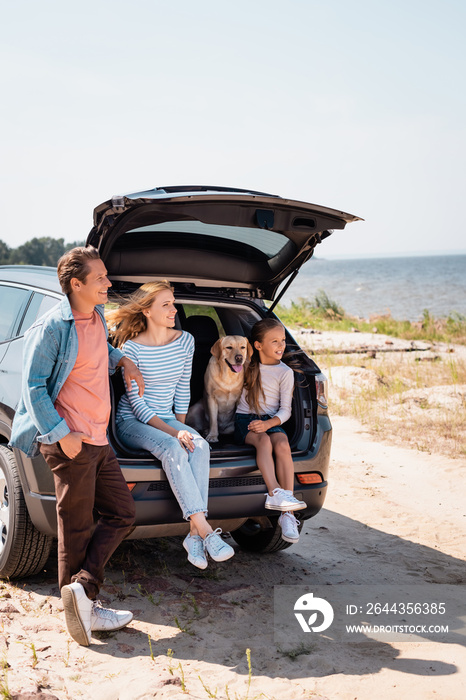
[401,286]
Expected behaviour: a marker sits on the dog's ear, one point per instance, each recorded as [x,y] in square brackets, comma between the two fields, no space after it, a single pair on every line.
[216,349]
[250,349]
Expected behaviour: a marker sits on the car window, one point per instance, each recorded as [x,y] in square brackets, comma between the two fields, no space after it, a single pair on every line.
[13,301]
[39,304]
[267,242]
[47,303]
[197,310]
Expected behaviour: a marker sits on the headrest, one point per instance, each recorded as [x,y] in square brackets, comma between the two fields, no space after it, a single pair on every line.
[203,328]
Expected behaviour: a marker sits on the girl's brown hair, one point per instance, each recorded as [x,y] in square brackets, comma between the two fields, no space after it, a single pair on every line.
[128,320]
[252,377]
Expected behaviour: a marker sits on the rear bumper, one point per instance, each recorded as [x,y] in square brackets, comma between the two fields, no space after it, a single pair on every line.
[236,490]
[245,501]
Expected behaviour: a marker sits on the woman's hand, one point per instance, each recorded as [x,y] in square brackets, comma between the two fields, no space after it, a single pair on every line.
[186,439]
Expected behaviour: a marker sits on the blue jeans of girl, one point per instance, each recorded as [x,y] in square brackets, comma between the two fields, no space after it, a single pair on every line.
[187,472]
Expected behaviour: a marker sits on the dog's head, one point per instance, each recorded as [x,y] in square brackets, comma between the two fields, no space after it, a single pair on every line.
[233,350]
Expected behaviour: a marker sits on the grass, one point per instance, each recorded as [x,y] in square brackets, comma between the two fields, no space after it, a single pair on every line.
[145,593]
[170,654]
[248,686]
[210,693]
[406,400]
[324,314]
[66,658]
[150,647]
[184,629]
[183,682]
[4,690]
[296,652]
[35,660]
[171,668]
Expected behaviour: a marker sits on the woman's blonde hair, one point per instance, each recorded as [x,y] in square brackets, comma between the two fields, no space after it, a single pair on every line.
[128,320]
[252,376]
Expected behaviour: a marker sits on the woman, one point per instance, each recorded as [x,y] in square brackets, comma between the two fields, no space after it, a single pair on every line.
[144,328]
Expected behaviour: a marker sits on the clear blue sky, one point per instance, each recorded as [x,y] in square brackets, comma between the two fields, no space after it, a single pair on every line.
[354,104]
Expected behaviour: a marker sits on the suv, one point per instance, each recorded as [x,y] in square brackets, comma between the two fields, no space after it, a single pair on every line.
[224,251]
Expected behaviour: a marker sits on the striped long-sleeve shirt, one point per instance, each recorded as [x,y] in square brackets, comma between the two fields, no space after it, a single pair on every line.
[167,371]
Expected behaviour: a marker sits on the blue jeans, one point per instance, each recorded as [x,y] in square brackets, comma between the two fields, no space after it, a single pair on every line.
[187,472]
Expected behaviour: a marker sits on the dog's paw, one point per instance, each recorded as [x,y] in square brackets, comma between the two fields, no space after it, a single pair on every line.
[211,437]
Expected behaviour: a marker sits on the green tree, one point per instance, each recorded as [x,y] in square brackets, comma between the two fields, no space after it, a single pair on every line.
[74,244]
[38,251]
[5,253]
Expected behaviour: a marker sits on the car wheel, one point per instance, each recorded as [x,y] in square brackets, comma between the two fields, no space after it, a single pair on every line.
[264,536]
[23,549]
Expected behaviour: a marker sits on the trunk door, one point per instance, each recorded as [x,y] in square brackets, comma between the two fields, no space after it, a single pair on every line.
[210,237]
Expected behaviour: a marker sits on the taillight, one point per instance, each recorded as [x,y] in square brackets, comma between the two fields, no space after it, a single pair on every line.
[309,478]
[322,390]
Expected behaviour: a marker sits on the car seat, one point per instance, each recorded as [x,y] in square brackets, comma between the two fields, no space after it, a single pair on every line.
[205,333]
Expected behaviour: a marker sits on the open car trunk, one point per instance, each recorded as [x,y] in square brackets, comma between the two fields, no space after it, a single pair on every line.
[206,322]
[228,240]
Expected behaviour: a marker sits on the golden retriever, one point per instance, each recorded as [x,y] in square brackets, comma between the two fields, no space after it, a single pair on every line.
[223,383]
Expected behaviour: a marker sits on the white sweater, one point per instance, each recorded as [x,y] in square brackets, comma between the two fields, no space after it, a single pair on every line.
[277,384]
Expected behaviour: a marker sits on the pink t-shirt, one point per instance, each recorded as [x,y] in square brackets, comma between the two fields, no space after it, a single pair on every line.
[84,400]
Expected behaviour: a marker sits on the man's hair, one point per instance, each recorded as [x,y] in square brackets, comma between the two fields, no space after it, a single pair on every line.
[75,263]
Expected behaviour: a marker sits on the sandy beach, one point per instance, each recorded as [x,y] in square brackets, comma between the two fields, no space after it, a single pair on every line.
[392,515]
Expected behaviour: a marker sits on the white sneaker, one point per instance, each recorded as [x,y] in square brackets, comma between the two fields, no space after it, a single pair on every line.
[283,500]
[78,609]
[217,548]
[302,504]
[106,619]
[194,545]
[289,525]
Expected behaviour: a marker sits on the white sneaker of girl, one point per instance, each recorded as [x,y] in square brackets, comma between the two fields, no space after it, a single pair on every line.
[283,500]
[289,525]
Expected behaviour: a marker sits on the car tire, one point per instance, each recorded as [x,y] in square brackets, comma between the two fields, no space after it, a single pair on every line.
[255,537]
[23,549]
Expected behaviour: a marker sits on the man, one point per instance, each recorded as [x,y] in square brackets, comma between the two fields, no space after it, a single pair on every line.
[64,411]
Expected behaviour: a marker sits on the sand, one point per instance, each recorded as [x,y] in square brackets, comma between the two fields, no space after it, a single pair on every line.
[392,515]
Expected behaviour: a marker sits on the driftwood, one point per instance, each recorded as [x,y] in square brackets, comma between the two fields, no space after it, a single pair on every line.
[362,350]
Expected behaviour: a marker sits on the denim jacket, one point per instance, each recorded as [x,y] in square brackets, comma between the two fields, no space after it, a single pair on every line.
[49,355]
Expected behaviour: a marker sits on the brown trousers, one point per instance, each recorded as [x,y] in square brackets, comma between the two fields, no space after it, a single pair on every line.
[92,481]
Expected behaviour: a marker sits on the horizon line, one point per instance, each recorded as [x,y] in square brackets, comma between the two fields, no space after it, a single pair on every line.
[397,254]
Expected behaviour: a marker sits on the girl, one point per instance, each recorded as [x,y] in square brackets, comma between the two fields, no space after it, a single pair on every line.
[264,406]
[143,327]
